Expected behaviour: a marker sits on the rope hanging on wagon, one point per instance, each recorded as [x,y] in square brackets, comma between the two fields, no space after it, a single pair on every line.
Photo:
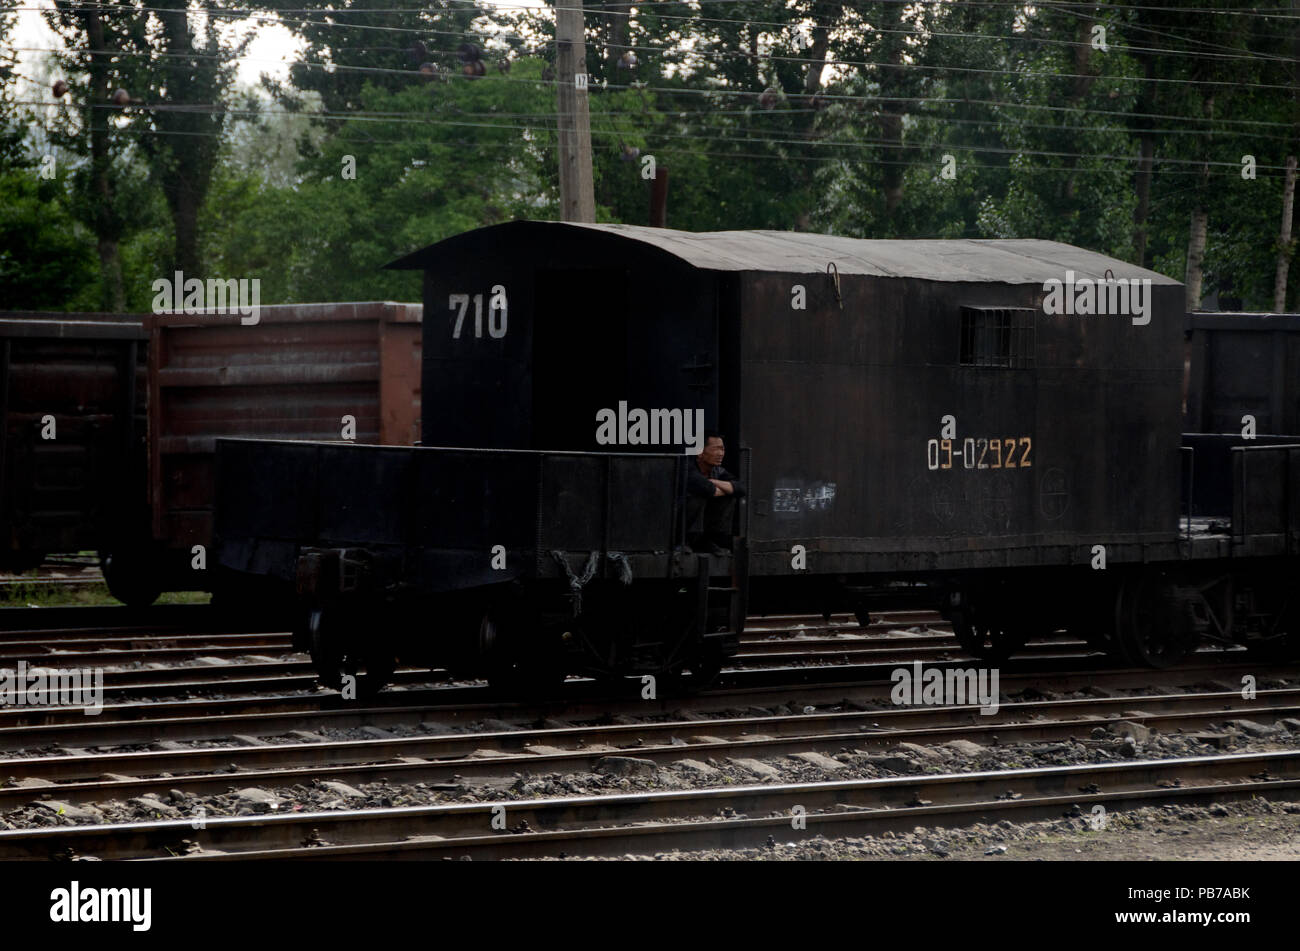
[577,583]
[624,565]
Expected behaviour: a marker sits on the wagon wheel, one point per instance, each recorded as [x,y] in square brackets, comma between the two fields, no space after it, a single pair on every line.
[987,638]
[131,576]
[693,676]
[1282,642]
[511,670]
[335,661]
[1151,628]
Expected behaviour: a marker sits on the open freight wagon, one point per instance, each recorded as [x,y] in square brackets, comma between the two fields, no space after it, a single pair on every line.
[73,390]
[335,371]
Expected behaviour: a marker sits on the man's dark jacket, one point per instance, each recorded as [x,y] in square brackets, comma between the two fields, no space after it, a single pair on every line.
[697,483]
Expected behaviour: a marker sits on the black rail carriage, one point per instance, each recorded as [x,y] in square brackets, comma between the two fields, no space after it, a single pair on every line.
[1243,365]
[990,426]
[1242,389]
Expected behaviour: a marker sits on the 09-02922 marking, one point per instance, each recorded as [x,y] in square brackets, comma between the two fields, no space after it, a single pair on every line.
[1006,452]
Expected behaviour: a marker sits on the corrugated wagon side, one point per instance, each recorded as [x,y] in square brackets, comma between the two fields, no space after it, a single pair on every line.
[72,430]
[332,371]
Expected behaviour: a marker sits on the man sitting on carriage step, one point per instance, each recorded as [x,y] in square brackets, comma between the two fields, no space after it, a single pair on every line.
[711,493]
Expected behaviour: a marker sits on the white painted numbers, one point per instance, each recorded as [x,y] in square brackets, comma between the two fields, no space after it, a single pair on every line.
[497,321]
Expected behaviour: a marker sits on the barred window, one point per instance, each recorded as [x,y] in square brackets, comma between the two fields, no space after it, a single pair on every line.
[997,337]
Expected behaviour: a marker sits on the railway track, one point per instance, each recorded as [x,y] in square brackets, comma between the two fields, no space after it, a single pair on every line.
[735,817]
[268,727]
[65,621]
[163,649]
[204,717]
[496,754]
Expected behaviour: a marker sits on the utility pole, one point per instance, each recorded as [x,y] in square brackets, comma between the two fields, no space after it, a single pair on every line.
[577,196]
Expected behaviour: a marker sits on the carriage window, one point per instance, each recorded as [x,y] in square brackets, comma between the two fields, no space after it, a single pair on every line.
[997,337]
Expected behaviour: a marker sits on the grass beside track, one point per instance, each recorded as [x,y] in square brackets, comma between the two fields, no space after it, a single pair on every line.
[41,593]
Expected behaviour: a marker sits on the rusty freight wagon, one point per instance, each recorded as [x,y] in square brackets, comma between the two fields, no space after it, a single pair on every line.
[72,433]
[990,425]
[333,371]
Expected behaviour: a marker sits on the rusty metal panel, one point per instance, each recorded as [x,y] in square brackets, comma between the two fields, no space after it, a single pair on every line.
[1239,365]
[84,376]
[400,352]
[295,374]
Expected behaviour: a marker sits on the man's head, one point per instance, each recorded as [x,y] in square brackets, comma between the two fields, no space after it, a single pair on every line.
[714,450]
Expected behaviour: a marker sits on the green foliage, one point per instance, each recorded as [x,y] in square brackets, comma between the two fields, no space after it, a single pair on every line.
[732,102]
[45,257]
[431,160]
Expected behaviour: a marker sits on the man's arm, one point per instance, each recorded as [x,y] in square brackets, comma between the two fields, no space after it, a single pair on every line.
[737,487]
[697,483]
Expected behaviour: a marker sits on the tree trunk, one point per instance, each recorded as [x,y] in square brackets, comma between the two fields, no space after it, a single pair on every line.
[185,221]
[812,83]
[1284,238]
[616,30]
[1079,87]
[1195,257]
[1146,159]
[1200,218]
[891,119]
[107,231]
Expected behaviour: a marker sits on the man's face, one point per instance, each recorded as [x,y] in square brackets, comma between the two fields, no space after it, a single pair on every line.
[714,451]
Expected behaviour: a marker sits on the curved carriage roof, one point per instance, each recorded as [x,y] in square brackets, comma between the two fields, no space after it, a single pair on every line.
[1000,260]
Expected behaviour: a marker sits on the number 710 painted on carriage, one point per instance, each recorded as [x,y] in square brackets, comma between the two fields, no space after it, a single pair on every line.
[497,315]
